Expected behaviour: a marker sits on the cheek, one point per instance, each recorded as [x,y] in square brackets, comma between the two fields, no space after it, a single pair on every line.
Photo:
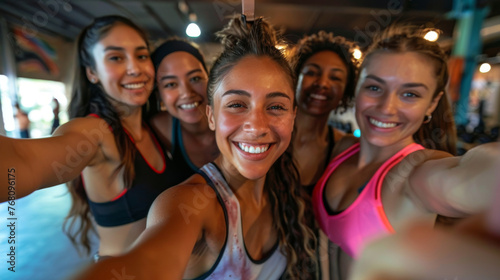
[201,89]
[284,128]
[168,97]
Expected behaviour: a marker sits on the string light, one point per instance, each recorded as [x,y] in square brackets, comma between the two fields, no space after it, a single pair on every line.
[485,68]
[357,54]
[431,36]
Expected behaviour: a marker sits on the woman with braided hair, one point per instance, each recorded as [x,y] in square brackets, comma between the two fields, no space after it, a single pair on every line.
[242,216]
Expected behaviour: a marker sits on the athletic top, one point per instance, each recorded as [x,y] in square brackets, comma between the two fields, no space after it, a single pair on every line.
[184,168]
[365,219]
[133,204]
[234,261]
[331,143]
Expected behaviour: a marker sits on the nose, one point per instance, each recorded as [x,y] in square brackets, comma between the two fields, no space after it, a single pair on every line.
[133,67]
[186,90]
[322,81]
[389,103]
[256,124]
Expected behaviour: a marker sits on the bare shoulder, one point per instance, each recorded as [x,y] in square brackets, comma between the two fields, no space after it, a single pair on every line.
[89,125]
[338,134]
[161,123]
[342,145]
[192,199]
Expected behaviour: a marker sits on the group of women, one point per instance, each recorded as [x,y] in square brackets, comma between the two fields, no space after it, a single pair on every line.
[224,181]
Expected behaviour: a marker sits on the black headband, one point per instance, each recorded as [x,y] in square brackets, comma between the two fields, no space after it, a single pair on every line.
[175,46]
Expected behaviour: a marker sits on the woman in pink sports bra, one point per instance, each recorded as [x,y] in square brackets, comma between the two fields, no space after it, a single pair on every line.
[401,168]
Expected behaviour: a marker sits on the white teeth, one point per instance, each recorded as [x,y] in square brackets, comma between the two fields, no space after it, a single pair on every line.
[317,96]
[133,86]
[190,106]
[253,149]
[382,124]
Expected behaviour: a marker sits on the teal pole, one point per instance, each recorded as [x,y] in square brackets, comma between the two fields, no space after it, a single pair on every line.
[468,46]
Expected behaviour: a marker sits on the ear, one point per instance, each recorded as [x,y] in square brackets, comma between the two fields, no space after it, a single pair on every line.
[91,75]
[434,103]
[211,118]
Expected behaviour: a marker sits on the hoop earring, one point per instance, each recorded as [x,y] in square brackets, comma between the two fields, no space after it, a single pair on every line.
[427,118]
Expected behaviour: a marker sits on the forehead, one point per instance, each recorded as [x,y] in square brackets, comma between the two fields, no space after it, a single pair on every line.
[121,35]
[176,60]
[257,75]
[408,67]
[326,58]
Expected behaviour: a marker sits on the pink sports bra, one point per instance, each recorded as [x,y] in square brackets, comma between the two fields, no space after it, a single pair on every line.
[365,219]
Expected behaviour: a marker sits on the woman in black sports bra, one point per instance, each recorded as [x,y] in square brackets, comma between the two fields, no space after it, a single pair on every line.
[112,159]
[326,70]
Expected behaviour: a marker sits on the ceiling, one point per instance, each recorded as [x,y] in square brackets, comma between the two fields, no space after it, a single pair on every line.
[355,19]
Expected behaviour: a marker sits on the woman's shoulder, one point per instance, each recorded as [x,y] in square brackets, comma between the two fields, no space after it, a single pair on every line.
[343,144]
[162,123]
[193,196]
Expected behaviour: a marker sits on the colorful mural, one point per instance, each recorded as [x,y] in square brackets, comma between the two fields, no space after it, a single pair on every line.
[34,54]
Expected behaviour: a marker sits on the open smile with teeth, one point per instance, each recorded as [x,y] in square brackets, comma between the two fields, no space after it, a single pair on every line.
[317,96]
[190,105]
[253,149]
[134,86]
[382,124]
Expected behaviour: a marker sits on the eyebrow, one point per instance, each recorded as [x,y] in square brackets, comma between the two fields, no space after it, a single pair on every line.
[330,70]
[114,48]
[245,93]
[175,77]
[407,85]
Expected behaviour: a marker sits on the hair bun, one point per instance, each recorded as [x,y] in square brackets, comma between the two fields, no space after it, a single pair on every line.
[238,32]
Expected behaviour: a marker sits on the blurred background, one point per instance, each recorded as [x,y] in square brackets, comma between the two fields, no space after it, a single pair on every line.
[37,57]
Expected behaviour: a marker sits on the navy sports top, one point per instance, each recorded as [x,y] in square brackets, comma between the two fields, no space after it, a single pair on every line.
[133,204]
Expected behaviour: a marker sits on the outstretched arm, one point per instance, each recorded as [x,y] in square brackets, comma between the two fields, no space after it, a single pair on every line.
[29,164]
[458,186]
[163,250]
[420,252]
[471,250]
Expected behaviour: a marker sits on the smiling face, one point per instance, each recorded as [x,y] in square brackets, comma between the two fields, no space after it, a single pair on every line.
[182,84]
[123,67]
[252,115]
[321,83]
[394,93]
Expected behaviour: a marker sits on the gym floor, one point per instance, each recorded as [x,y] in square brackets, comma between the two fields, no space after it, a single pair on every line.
[42,250]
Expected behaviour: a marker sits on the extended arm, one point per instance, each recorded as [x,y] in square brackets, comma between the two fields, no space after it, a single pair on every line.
[458,186]
[29,164]
[164,248]
[420,252]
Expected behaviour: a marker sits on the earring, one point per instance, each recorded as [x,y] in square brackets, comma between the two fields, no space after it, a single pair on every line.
[427,118]
[93,80]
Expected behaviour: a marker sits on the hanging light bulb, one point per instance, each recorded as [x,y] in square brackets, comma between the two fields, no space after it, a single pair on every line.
[431,36]
[485,68]
[357,54]
[193,30]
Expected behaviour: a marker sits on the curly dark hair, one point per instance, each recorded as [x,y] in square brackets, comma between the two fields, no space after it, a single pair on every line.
[323,41]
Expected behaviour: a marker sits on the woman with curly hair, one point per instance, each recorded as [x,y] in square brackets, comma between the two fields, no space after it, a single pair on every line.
[326,71]
[242,216]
